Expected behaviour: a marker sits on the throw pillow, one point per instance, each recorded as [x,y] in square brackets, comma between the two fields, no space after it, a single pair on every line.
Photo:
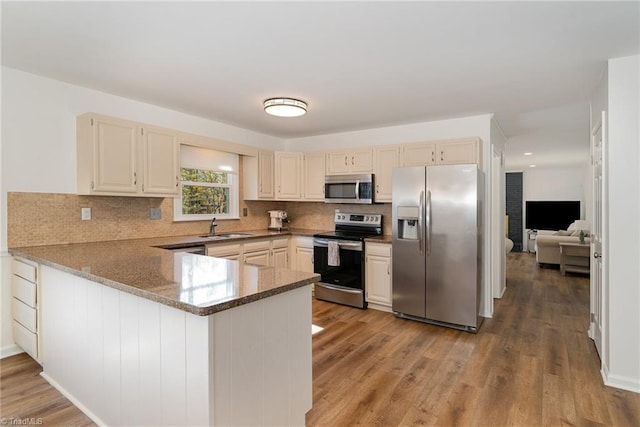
[564,233]
[576,233]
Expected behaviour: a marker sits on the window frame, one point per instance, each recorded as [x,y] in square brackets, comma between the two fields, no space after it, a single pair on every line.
[233,184]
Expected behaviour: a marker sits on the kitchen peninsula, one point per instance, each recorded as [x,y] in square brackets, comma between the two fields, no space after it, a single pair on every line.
[137,335]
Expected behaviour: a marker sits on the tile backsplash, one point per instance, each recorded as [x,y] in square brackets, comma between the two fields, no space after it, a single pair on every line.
[35,219]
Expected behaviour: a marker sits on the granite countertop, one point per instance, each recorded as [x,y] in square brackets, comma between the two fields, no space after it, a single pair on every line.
[197,284]
[384,238]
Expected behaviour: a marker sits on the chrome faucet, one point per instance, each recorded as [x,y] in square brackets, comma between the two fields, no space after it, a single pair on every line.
[212,227]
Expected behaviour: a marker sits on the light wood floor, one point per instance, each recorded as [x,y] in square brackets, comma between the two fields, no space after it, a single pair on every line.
[532,364]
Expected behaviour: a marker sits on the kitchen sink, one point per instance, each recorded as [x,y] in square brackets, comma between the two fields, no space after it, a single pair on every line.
[224,236]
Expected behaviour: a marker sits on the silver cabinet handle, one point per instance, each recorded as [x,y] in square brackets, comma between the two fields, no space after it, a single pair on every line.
[177,181]
[135,179]
[352,161]
[442,156]
[345,160]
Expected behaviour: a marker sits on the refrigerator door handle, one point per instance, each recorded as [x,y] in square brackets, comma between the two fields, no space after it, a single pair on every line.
[420,233]
[428,220]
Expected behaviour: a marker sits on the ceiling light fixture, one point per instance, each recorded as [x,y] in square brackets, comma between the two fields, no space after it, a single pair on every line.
[285,107]
[532,166]
[528,154]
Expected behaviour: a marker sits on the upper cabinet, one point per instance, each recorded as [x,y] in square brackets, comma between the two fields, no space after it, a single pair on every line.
[349,161]
[385,159]
[118,157]
[161,160]
[258,176]
[313,170]
[449,152]
[288,176]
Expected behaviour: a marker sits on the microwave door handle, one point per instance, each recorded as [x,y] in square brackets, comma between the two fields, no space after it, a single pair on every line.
[358,189]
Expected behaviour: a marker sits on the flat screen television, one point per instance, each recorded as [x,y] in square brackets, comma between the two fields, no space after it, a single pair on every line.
[551,215]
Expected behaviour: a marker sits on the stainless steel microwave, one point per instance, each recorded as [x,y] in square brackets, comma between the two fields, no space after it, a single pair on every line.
[349,189]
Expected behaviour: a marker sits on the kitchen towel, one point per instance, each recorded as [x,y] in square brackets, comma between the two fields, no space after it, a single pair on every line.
[334,254]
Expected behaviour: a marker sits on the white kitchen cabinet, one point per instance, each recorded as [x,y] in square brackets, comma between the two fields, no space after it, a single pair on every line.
[231,251]
[349,161]
[257,258]
[378,275]
[258,176]
[419,154]
[313,170]
[460,151]
[303,254]
[280,253]
[385,159]
[25,307]
[161,161]
[448,152]
[118,157]
[288,176]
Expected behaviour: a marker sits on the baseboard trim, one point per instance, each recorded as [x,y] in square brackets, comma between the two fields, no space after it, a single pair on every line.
[617,381]
[10,350]
[379,307]
[73,400]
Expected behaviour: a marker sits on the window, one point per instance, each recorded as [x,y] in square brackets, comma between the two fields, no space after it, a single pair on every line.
[208,185]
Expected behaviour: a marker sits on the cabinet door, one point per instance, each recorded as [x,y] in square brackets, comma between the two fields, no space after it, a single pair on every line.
[265,175]
[161,164]
[304,259]
[338,162]
[313,172]
[288,182]
[457,152]
[386,158]
[418,155]
[114,156]
[280,258]
[361,160]
[257,258]
[378,277]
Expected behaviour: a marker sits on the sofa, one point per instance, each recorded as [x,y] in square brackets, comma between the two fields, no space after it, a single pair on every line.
[548,245]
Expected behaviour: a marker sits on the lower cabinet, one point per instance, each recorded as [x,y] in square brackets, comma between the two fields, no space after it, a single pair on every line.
[272,252]
[378,275]
[25,307]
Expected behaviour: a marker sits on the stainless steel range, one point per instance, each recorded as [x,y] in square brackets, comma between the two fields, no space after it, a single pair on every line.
[339,258]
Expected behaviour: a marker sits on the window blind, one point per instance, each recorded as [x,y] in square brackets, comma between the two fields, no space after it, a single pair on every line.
[205,158]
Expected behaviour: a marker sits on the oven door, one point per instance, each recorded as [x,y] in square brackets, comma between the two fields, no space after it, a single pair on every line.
[343,284]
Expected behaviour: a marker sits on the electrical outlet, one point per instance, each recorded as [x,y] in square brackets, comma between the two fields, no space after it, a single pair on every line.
[156,213]
[86,214]
[244,211]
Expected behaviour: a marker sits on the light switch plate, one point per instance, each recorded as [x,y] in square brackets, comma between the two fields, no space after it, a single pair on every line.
[156,213]
[86,214]
[244,211]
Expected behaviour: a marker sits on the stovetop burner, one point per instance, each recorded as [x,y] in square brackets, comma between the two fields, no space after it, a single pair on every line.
[354,226]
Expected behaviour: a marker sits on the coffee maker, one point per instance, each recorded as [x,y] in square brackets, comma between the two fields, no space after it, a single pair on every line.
[279,220]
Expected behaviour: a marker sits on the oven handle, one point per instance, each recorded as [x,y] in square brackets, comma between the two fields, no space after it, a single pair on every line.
[339,288]
[344,244]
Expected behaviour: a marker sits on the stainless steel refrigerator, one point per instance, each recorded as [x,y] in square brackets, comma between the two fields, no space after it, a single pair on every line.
[437,244]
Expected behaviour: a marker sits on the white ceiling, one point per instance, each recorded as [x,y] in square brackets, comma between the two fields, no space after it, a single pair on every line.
[358,65]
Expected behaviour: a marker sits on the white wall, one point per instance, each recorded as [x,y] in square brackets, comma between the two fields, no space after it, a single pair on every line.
[553,183]
[498,209]
[38,152]
[426,131]
[622,321]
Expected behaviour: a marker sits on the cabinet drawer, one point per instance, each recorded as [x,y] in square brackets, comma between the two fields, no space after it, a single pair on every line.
[24,314]
[25,339]
[280,243]
[24,270]
[24,290]
[378,249]
[257,246]
[223,251]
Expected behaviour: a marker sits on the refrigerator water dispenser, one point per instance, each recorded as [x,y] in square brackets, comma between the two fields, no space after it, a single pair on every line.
[408,222]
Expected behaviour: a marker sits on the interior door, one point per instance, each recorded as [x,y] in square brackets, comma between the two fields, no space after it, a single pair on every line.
[597,294]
